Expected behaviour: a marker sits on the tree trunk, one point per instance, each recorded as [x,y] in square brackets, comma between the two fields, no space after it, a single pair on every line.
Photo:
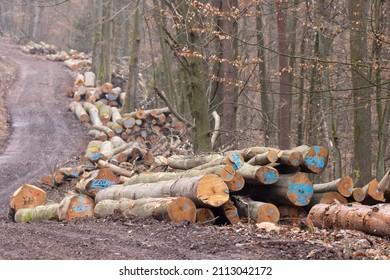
[358,10]
[284,101]
[39,213]
[103,73]
[131,87]
[207,190]
[175,209]
[370,219]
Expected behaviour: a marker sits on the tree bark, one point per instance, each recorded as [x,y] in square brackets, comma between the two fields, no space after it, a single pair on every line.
[370,219]
[175,209]
[207,190]
[342,185]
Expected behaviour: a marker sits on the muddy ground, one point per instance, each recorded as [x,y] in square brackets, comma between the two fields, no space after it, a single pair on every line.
[43,135]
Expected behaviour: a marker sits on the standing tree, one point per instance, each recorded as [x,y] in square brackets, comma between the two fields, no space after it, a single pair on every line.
[361,90]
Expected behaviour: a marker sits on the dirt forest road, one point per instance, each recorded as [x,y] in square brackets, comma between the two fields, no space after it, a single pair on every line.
[43,134]
[46,135]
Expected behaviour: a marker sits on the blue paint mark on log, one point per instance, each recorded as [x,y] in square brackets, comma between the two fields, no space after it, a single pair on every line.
[185,206]
[271,211]
[129,123]
[317,149]
[304,192]
[81,208]
[74,173]
[95,156]
[239,185]
[81,199]
[315,161]
[229,176]
[270,177]
[378,190]
[226,191]
[101,183]
[235,212]
[235,158]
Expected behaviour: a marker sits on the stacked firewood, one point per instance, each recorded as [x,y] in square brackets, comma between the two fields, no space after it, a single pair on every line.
[139,164]
[74,60]
[40,48]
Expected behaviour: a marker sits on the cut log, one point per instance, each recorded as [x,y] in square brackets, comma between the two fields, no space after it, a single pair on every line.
[80,112]
[39,213]
[374,220]
[118,129]
[116,114]
[106,88]
[94,116]
[80,80]
[69,172]
[327,198]
[96,181]
[255,210]
[264,158]
[264,175]
[93,150]
[175,209]
[374,191]
[358,194]
[290,189]
[115,169]
[98,135]
[117,142]
[289,157]
[105,113]
[227,214]
[204,161]
[165,176]
[90,79]
[207,190]
[315,158]
[126,122]
[343,185]
[237,183]
[75,206]
[205,216]
[110,133]
[106,150]
[27,196]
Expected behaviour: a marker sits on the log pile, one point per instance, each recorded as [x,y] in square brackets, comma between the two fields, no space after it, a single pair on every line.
[139,164]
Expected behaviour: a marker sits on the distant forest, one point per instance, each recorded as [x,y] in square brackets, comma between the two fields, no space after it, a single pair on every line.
[278,73]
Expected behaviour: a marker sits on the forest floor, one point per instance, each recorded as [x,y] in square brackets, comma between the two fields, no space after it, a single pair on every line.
[41,135]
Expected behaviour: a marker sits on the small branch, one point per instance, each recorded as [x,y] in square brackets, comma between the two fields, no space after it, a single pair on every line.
[174,112]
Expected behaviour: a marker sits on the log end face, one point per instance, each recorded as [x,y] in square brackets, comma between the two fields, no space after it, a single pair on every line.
[375,191]
[296,158]
[268,212]
[78,206]
[267,175]
[345,186]
[300,190]
[27,196]
[316,159]
[358,194]
[182,209]
[205,216]
[212,190]
[227,173]
[236,184]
